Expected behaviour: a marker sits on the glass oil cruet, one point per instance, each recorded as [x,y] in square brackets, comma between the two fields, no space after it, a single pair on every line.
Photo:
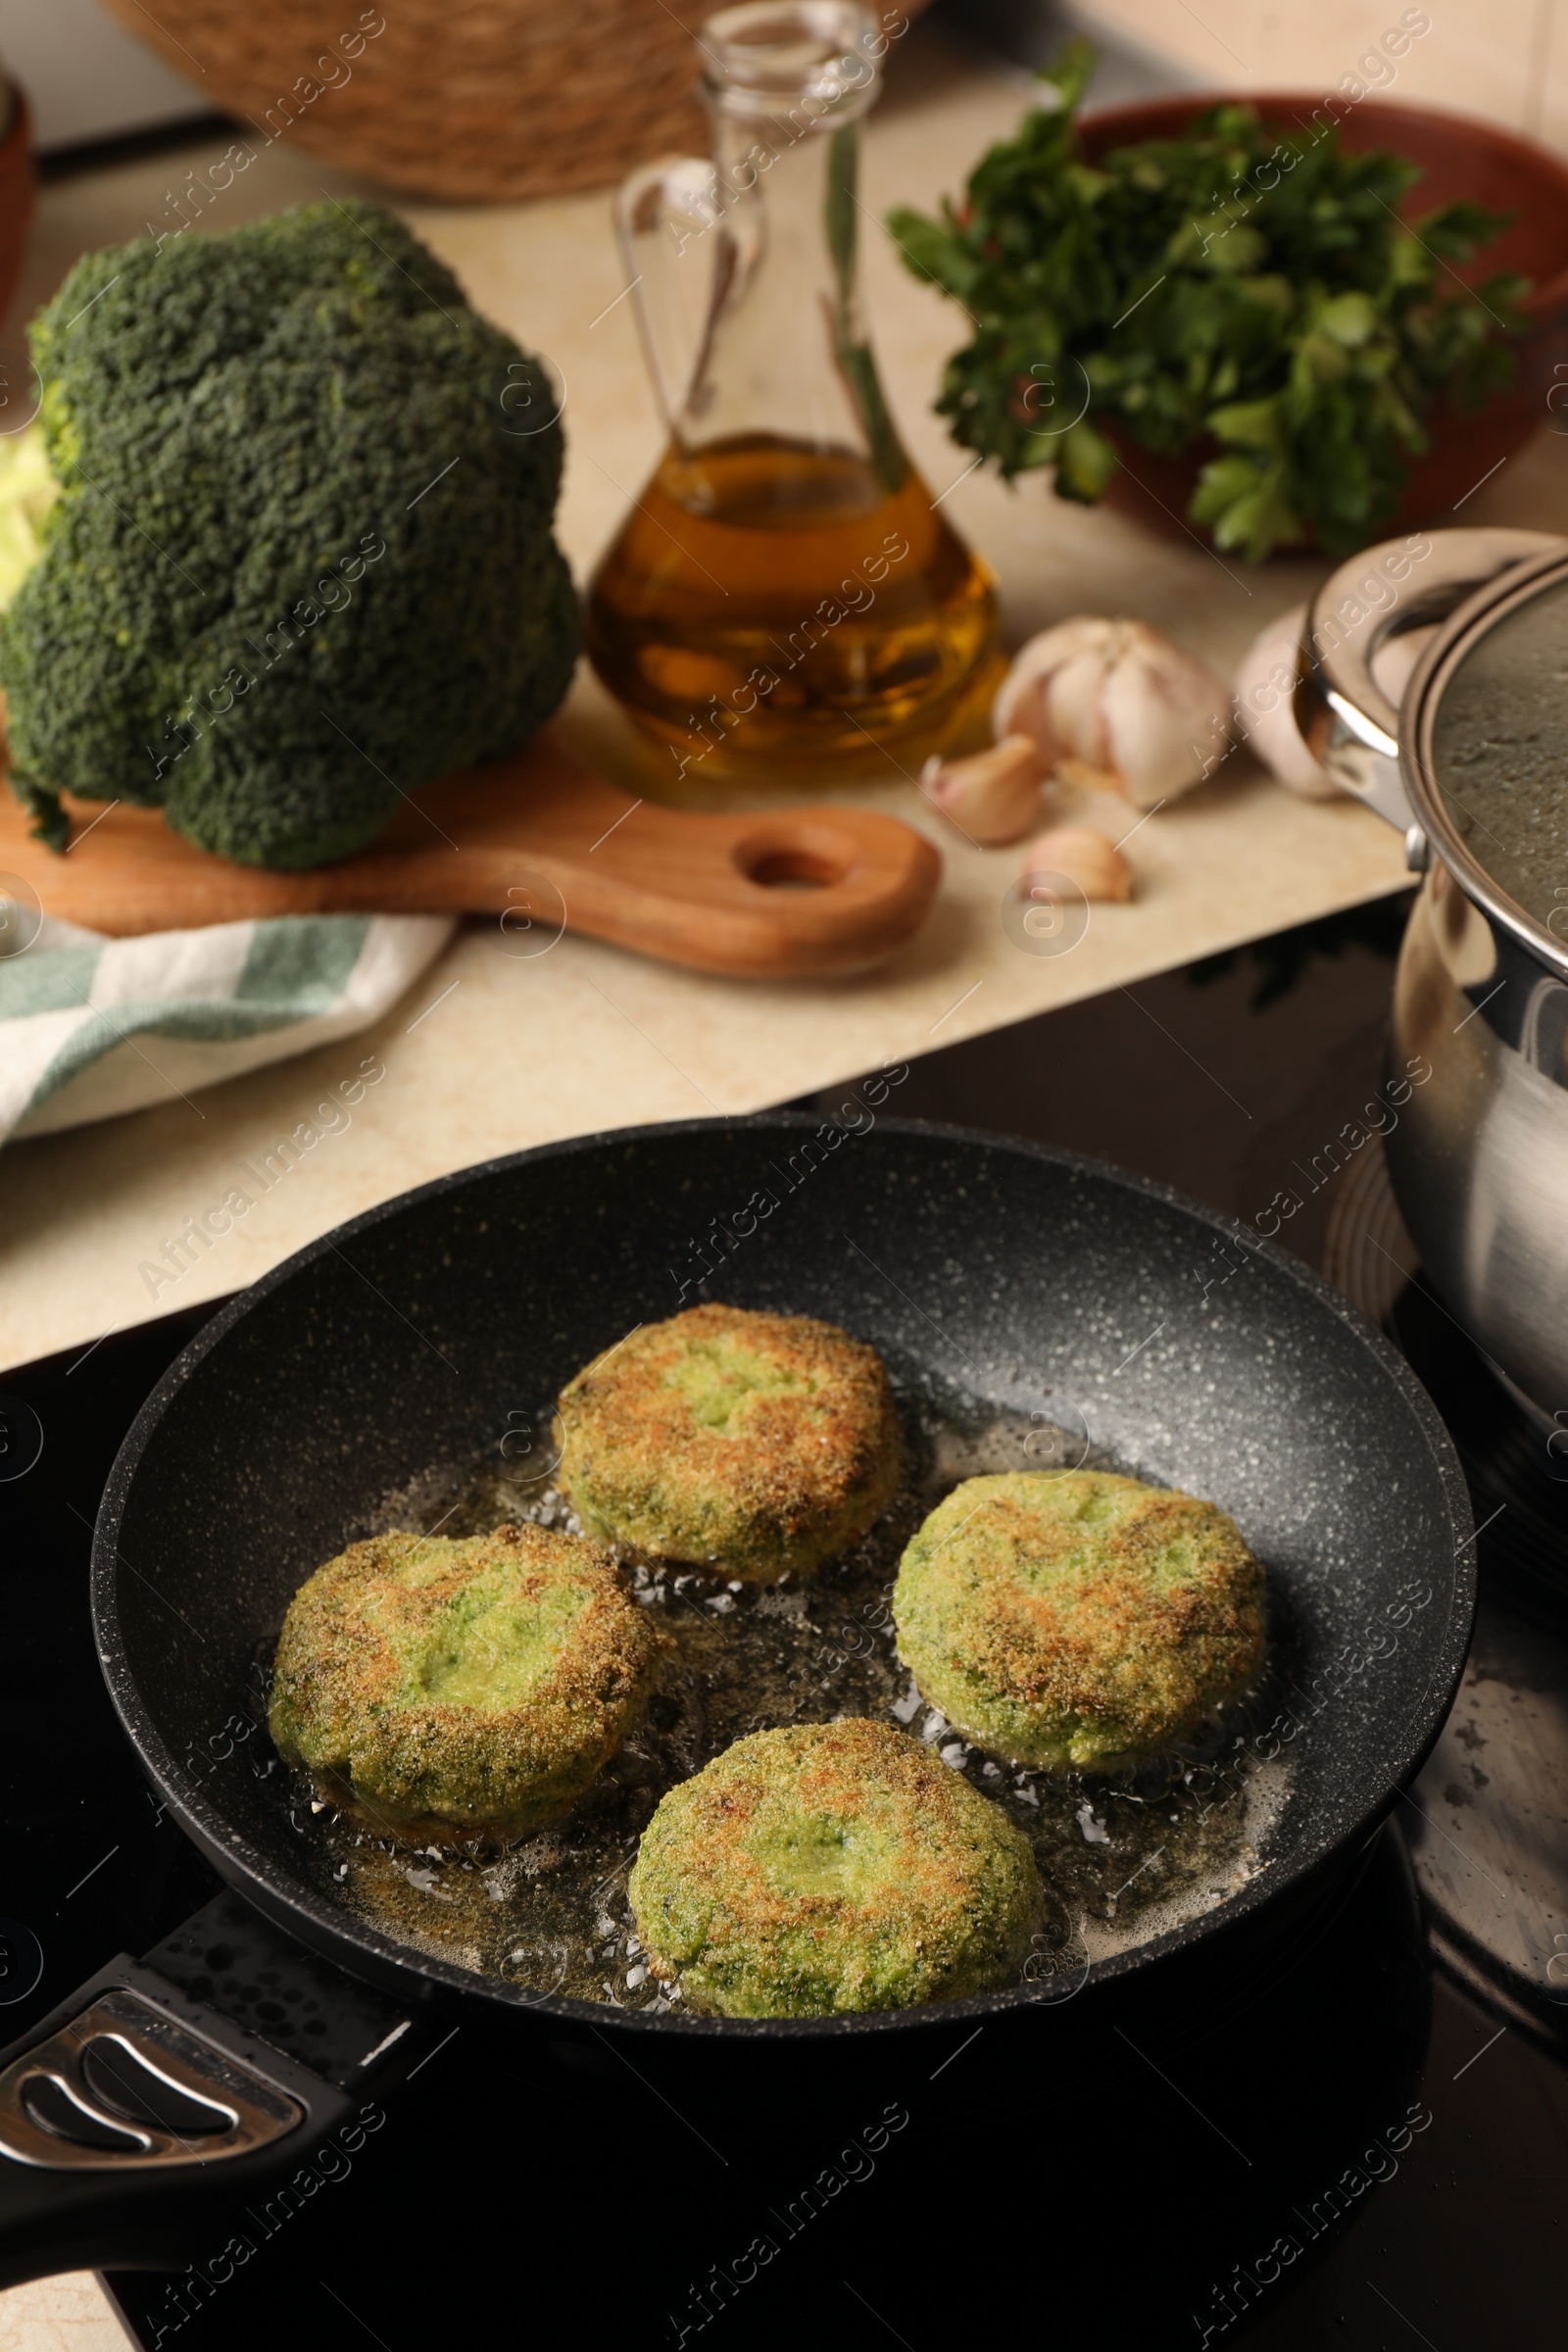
[783,599]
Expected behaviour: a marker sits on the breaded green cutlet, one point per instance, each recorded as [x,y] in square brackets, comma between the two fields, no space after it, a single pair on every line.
[468,1689]
[752,1443]
[830,1867]
[1074,1618]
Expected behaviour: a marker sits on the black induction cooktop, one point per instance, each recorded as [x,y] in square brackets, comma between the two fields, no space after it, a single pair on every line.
[1363,2145]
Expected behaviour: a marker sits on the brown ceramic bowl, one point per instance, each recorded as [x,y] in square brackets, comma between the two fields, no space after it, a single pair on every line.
[1459,156]
[15,188]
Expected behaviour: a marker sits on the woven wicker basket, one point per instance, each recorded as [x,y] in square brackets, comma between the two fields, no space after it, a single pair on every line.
[469,99]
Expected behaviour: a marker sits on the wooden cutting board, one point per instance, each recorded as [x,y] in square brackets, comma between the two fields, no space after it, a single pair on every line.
[540,842]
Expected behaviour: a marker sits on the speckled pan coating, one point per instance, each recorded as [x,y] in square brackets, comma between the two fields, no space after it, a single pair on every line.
[759,1444]
[469,1688]
[996,1270]
[829,1868]
[1074,1618]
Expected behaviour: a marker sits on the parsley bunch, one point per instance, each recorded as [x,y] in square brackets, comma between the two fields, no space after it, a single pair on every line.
[1228,287]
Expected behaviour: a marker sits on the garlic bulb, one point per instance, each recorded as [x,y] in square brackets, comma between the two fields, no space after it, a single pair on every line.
[1265,718]
[992,796]
[1085,857]
[1116,705]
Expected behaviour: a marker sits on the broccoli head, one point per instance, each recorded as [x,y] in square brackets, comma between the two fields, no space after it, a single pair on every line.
[301,562]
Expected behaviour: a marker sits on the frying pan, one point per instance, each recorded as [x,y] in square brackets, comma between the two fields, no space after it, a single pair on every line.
[1195,1354]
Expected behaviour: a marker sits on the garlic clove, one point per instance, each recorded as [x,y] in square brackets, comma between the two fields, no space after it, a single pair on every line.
[1037,661]
[1167,716]
[1265,715]
[992,796]
[1113,701]
[1085,857]
[1075,695]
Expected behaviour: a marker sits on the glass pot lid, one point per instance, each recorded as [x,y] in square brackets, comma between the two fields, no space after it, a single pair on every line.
[1491,743]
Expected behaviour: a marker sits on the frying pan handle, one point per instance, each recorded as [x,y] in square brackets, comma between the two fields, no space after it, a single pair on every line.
[137,2118]
[1346,720]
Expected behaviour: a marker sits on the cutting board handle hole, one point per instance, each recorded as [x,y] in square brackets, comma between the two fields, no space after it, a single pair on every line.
[781,863]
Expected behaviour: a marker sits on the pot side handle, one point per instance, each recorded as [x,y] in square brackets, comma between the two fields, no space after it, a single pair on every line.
[1346,720]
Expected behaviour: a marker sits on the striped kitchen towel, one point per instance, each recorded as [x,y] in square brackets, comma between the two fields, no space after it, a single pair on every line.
[91,1026]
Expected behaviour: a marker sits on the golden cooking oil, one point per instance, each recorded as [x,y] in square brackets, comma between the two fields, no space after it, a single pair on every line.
[770,605]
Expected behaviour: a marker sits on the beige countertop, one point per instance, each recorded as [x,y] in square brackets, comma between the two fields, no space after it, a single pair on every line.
[519,1052]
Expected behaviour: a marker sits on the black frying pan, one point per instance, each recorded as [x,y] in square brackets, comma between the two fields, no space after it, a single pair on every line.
[406,1340]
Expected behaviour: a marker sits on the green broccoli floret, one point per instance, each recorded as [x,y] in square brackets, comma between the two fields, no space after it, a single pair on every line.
[302,561]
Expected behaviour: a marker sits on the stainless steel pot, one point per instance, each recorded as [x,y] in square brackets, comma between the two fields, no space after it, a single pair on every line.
[1478,1156]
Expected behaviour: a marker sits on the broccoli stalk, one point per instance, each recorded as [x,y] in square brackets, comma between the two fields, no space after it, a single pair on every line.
[301,562]
[27,491]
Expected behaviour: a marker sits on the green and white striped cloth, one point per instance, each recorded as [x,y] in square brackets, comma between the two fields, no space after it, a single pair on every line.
[91,1026]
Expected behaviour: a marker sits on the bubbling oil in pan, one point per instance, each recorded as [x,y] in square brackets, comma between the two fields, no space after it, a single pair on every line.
[1122,1857]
